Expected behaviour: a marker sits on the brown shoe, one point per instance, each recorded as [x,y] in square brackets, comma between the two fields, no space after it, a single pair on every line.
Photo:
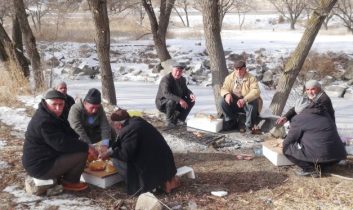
[171,184]
[75,186]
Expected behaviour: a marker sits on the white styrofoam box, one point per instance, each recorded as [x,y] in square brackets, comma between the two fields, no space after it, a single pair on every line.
[274,154]
[203,123]
[102,182]
[349,149]
[186,170]
[42,182]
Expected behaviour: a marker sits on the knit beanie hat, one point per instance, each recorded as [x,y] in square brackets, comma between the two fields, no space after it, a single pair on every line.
[119,115]
[54,94]
[93,96]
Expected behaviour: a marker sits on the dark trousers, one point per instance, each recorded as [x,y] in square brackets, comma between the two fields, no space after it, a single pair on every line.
[174,111]
[68,166]
[121,166]
[231,111]
[310,166]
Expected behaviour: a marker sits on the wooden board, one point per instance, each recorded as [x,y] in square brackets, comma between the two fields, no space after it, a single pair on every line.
[100,174]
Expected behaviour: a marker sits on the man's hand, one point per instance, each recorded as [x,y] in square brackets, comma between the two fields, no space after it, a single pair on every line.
[192,97]
[104,155]
[281,120]
[92,152]
[183,104]
[241,103]
[228,99]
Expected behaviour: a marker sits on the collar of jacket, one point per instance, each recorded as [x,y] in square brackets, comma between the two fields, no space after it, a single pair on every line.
[246,76]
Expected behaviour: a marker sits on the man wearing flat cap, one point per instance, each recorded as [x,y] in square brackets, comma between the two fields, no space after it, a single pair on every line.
[313,94]
[174,98]
[52,150]
[87,117]
[240,94]
[141,155]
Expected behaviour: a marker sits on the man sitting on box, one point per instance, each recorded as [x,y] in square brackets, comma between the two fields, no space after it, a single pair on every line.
[52,149]
[141,155]
[313,142]
[240,94]
[174,98]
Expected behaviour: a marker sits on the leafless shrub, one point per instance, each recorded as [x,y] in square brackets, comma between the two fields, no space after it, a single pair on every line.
[317,66]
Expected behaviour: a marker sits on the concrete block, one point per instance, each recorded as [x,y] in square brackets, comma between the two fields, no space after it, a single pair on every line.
[186,170]
[101,179]
[349,149]
[42,182]
[274,154]
[33,189]
[204,123]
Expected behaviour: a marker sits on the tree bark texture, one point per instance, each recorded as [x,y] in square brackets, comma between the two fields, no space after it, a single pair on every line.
[214,47]
[159,30]
[296,61]
[30,44]
[101,21]
[17,34]
[12,58]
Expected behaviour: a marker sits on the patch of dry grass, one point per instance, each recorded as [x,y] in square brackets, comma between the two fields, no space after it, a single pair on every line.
[82,29]
[12,83]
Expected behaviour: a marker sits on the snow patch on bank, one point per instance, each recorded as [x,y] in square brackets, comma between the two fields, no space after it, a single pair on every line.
[15,117]
[63,201]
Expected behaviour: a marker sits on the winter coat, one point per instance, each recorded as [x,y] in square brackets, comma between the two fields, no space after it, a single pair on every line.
[90,132]
[146,153]
[69,101]
[168,90]
[323,99]
[313,137]
[249,89]
[47,138]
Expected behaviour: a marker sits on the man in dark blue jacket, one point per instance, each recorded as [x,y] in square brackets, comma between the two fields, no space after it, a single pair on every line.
[52,149]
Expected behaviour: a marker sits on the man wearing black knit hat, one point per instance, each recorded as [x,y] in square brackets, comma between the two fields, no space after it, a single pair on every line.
[87,117]
[52,150]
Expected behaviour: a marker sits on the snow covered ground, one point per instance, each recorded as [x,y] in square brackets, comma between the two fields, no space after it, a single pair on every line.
[140,95]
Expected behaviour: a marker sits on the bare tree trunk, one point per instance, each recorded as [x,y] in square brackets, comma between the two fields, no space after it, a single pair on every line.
[17,34]
[187,16]
[101,21]
[30,43]
[180,17]
[292,24]
[295,63]
[18,44]
[159,30]
[214,47]
[11,57]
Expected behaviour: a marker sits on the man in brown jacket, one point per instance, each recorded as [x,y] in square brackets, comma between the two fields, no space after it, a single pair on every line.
[240,93]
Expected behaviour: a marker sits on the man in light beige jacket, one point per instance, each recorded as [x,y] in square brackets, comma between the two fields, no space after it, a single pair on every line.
[240,93]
